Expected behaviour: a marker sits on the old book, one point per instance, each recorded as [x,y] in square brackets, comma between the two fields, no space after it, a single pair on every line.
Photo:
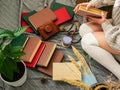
[57,5]
[62,15]
[24,23]
[31,48]
[47,54]
[41,17]
[28,22]
[56,57]
[36,57]
[20,41]
[66,70]
[90,12]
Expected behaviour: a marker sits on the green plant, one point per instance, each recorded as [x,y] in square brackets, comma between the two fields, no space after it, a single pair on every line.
[10,55]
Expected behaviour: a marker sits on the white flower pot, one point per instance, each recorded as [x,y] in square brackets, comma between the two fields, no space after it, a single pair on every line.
[20,81]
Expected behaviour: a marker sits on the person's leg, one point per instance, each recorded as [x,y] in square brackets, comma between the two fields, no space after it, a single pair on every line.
[91,46]
[88,27]
[97,30]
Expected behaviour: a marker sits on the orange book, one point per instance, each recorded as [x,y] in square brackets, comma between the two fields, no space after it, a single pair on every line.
[31,48]
[56,57]
[46,54]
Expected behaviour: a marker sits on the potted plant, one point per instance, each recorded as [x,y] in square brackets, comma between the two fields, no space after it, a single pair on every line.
[12,68]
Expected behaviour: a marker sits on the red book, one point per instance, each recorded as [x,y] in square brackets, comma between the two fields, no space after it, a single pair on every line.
[23,23]
[62,15]
[36,57]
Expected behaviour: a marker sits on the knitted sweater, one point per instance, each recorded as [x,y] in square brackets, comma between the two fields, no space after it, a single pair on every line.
[112,31]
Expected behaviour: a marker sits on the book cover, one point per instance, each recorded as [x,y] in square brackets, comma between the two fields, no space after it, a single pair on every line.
[36,57]
[23,23]
[90,12]
[56,57]
[20,40]
[57,5]
[62,15]
[41,17]
[31,48]
[66,70]
[46,54]
[28,22]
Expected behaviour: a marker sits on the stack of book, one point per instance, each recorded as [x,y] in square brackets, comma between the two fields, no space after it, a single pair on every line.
[58,13]
[38,54]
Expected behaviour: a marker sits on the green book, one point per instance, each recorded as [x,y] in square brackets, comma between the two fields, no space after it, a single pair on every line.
[28,22]
[20,41]
[57,5]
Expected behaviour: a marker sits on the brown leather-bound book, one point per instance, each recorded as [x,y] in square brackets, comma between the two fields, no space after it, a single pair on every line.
[94,12]
[42,17]
[56,57]
[47,53]
[31,48]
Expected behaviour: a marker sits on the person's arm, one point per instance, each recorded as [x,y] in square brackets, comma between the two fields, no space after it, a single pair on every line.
[101,3]
[112,34]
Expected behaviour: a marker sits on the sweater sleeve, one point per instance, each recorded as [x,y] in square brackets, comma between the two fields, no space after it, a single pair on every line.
[101,3]
[112,34]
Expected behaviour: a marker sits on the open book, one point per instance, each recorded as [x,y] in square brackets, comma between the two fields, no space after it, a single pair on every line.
[90,12]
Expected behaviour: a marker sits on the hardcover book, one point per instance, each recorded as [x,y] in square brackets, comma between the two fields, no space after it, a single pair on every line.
[28,22]
[62,15]
[31,48]
[46,54]
[41,17]
[66,70]
[20,41]
[57,5]
[56,57]
[36,57]
[24,23]
[90,12]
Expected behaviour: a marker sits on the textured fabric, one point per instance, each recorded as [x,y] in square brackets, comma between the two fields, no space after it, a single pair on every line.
[10,13]
[90,45]
[101,3]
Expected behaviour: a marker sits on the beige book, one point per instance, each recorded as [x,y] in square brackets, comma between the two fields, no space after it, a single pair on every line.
[90,12]
[66,70]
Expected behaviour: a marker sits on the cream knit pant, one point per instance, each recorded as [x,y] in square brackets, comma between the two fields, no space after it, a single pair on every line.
[91,46]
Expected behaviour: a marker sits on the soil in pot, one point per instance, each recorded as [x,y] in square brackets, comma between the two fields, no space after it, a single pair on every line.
[17,75]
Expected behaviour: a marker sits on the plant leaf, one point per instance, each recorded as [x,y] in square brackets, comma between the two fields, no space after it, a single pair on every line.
[19,31]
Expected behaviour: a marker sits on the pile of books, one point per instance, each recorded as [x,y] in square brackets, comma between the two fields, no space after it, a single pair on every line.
[57,14]
[38,54]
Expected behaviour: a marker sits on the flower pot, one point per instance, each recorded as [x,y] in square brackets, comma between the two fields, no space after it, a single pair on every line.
[19,78]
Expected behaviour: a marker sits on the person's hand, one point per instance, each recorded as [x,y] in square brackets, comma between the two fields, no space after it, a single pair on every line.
[97,20]
[87,4]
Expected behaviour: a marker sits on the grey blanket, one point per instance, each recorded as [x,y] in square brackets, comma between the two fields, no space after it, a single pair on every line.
[10,18]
